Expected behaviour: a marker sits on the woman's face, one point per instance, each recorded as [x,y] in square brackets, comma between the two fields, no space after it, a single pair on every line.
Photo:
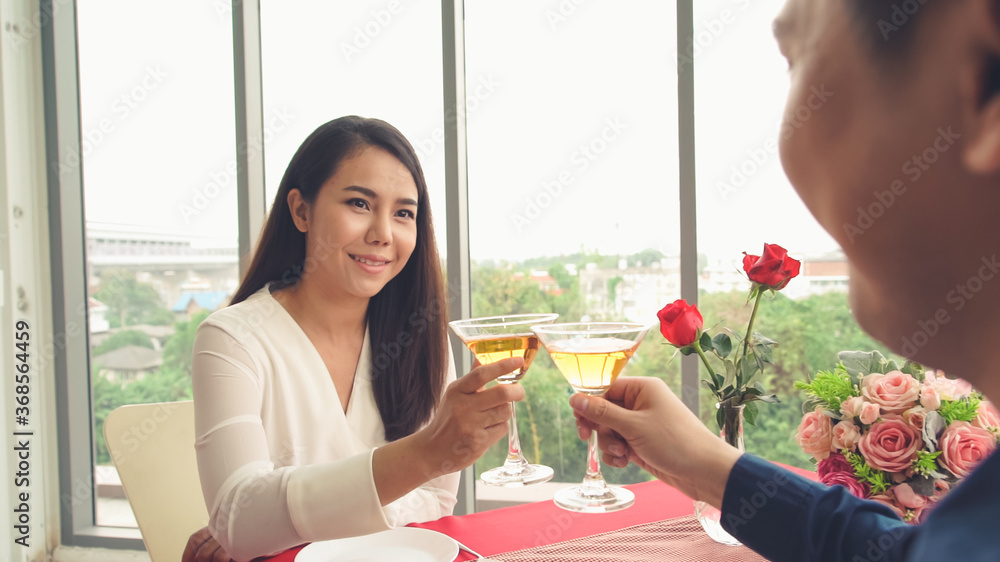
[878,147]
[361,228]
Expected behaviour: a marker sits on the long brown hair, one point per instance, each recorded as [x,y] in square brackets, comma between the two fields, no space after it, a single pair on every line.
[406,319]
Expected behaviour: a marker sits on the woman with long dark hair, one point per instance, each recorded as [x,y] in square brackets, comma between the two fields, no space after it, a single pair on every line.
[325,405]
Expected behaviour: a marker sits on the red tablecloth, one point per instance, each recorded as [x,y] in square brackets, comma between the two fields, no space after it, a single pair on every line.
[541,523]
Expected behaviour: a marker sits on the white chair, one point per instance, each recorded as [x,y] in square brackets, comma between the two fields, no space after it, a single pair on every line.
[152,446]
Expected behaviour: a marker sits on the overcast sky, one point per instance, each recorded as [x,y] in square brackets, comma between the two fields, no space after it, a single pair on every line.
[572,115]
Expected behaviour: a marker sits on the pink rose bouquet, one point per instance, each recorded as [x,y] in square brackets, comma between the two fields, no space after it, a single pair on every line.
[896,435]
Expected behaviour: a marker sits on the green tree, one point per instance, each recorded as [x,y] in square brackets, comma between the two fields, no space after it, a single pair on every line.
[159,386]
[122,339]
[170,383]
[568,303]
[810,332]
[646,258]
[130,301]
[180,346]
[497,291]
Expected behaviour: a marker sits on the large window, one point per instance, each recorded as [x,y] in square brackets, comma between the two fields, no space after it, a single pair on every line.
[159,176]
[745,200]
[372,58]
[573,128]
[573,195]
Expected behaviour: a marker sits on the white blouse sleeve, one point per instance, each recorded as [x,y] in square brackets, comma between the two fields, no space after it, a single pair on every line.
[256,509]
[437,497]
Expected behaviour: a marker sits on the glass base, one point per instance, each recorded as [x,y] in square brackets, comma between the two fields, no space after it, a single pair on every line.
[575,499]
[710,519]
[505,478]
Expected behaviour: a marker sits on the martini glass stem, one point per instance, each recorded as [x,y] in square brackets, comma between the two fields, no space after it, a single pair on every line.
[515,463]
[593,482]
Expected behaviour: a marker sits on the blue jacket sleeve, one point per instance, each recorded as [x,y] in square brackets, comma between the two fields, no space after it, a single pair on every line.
[784,516]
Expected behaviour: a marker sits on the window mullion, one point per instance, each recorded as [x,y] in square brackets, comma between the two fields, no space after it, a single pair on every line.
[688,186]
[457,198]
[249,92]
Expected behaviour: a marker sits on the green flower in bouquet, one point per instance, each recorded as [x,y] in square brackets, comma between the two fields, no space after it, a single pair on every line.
[894,433]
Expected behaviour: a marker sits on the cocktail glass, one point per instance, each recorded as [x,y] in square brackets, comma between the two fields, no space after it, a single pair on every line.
[591,355]
[491,339]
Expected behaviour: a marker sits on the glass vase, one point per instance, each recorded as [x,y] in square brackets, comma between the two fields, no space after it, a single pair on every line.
[710,517]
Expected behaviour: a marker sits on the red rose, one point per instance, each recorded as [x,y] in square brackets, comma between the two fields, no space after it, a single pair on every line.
[849,481]
[834,463]
[773,269]
[680,322]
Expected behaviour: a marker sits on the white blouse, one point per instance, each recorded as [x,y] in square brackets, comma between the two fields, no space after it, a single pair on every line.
[280,461]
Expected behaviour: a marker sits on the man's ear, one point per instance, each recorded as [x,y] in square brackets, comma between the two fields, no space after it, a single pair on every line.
[299,210]
[982,152]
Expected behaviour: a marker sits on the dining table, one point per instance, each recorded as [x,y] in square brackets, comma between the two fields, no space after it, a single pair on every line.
[659,526]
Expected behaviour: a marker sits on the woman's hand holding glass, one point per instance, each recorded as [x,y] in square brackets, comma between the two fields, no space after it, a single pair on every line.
[470,418]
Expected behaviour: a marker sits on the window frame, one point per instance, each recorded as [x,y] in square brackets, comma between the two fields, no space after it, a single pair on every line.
[68,250]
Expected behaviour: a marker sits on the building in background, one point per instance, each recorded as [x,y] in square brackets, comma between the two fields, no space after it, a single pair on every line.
[629,293]
[127,364]
[173,263]
[189,304]
[637,293]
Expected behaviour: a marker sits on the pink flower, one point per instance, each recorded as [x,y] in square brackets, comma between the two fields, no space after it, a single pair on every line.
[908,498]
[929,398]
[917,515]
[834,463]
[963,446]
[988,418]
[915,417]
[851,408]
[890,445]
[947,389]
[870,413]
[847,480]
[885,499]
[815,434]
[894,391]
[846,436]
[941,489]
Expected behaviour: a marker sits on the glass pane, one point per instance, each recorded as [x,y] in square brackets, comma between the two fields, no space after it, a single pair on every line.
[572,192]
[371,58]
[745,200]
[158,152]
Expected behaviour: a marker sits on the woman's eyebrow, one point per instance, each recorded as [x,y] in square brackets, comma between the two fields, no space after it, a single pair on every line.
[370,193]
[362,190]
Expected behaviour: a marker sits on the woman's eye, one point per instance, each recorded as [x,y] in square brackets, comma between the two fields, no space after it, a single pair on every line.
[406,213]
[358,203]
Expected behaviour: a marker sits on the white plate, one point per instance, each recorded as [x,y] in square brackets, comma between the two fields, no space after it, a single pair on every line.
[403,544]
